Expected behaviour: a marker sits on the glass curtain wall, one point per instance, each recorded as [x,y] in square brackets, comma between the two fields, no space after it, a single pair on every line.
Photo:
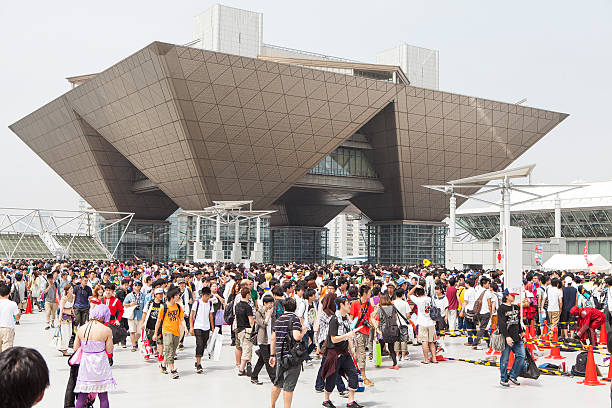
[149,241]
[406,244]
[346,162]
[301,245]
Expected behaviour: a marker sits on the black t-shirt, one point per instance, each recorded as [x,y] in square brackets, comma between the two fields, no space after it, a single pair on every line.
[338,327]
[152,317]
[243,311]
[569,297]
[508,319]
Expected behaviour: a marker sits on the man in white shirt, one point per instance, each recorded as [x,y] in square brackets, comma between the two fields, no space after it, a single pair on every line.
[9,314]
[427,327]
[483,315]
[469,298]
[555,302]
[202,321]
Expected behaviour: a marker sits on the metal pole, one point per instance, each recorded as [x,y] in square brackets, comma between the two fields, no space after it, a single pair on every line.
[258,230]
[197,237]
[237,231]
[557,217]
[218,229]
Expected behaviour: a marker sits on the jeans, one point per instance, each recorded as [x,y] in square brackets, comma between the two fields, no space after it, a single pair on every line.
[81,316]
[470,328]
[320,382]
[483,322]
[519,359]
[308,341]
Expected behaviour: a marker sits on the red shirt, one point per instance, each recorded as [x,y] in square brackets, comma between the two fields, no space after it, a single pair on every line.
[356,311]
[116,308]
[451,295]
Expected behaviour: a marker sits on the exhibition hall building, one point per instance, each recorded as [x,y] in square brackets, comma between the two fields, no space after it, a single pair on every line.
[172,130]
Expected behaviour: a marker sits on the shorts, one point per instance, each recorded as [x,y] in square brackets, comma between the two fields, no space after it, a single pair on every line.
[243,342]
[150,333]
[287,378]
[135,325]
[201,341]
[554,318]
[171,343]
[426,334]
[400,347]
[566,318]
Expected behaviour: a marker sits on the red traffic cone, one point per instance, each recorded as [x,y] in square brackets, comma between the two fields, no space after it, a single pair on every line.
[555,351]
[603,336]
[532,332]
[590,376]
[29,306]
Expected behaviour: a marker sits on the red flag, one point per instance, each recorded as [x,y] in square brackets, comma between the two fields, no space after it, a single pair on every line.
[586,254]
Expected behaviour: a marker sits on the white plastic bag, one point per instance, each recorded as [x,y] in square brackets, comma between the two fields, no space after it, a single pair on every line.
[216,354]
[56,340]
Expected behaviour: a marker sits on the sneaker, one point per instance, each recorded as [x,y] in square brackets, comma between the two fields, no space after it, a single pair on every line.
[199,369]
[256,381]
[308,363]
[134,349]
[354,404]
[163,369]
[468,344]
[52,325]
[124,345]
[394,367]
[515,381]
[174,374]
[17,323]
[328,404]
[249,369]
[180,346]
[344,394]
[504,383]
[47,328]
[241,373]
[318,390]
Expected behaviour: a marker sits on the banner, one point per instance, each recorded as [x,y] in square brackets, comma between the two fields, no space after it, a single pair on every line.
[586,254]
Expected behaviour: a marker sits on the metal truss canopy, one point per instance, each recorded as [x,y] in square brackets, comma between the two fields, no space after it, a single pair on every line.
[41,233]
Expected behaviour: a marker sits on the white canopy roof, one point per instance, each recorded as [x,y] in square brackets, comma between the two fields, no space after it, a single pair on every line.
[563,262]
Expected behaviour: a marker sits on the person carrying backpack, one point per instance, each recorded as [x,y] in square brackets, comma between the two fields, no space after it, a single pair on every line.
[427,327]
[388,326]
[169,319]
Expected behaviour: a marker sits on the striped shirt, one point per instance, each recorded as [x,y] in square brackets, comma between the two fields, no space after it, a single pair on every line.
[281,327]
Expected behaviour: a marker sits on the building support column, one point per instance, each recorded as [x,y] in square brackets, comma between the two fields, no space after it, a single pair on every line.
[236,247]
[217,253]
[257,254]
[197,245]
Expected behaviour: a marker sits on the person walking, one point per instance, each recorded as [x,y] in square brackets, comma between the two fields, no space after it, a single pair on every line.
[66,318]
[201,323]
[96,341]
[263,320]
[286,374]
[244,328]
[9,315]
[509,324]
[169,319]
[426,326]
[135,300]
[49,295]
[82,294]
[362,311]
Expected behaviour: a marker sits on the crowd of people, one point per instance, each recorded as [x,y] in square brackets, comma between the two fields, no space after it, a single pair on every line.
[345,317]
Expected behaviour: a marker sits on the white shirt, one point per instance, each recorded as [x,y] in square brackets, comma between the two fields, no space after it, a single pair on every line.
[469,297]
[485,299]
[403,308]
[8,311]
[201,320]
[441,304]
[423,305]
[554,294]
[301,308]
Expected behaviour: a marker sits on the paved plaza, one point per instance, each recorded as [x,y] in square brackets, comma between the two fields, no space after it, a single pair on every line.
[141,384]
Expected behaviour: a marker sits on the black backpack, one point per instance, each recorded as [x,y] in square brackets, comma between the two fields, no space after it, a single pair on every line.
[436,314]
[228,313]
[579,369]
[293,352]
[390,329]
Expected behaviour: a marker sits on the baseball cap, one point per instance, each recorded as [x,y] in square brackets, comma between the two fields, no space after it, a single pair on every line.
[158,290]
[510,292]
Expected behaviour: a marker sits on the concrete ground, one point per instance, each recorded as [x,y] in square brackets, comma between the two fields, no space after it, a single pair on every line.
[141,384]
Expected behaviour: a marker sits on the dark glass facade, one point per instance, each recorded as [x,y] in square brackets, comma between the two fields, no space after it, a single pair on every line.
[147,240]
[575,223]
[346,162]
[405,243]
[601,247]
[298,244]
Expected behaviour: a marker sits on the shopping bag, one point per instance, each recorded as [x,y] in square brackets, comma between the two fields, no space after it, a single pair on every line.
[212,339]
[216,354]
[378,355]
[76,357]
[530,368]
[144,346]
[361,386]
[56,340]
[219,318]
[119,333]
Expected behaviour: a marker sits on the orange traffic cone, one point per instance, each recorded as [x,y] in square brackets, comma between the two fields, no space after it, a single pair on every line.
[590,376]
[29,306]
[532,332]
[545,339]
[603,336]
[555,351]
[510,360]
[609,377]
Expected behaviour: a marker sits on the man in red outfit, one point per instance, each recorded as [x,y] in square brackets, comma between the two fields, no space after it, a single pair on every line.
[589,320]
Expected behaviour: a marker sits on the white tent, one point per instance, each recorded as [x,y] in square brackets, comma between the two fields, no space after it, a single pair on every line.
[564,262]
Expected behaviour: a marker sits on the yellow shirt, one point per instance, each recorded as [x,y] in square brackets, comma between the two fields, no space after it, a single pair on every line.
[171,321]
[461,292]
